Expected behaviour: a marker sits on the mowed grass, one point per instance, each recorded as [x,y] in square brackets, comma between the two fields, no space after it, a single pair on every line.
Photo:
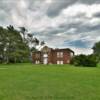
[49,82]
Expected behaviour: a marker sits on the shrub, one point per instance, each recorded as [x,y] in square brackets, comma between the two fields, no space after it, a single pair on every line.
[83,60]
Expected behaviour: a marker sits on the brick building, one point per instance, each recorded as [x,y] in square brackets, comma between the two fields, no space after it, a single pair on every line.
[52,56]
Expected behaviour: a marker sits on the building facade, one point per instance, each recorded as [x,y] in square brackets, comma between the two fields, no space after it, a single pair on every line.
[52,56]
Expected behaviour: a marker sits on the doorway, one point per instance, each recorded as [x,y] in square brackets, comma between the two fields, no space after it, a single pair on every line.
[45,59]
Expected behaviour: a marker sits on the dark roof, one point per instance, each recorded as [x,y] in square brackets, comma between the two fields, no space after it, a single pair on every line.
[36,51]
[57,49]
[64,49]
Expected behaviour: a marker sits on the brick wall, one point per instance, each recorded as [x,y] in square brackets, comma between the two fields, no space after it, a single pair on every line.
[52,56]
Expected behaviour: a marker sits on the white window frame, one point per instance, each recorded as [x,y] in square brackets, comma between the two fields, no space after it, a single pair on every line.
[71,54]
[61,62]
[68,61]
[37,62]
[60,54]
[58,62]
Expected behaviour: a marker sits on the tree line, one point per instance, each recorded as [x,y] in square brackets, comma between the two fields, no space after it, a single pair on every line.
[17,45]
[88,60]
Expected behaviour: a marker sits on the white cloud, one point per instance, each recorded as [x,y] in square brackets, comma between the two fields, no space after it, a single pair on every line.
[77,9]
[48,1]
[75,21]
[82,51]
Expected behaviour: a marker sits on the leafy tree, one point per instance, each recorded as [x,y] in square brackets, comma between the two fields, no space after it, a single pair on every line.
[3,35]
[96,48]
[31,40]
[96,51]
[16,46]
[12,47]
[23,30]
[83,60]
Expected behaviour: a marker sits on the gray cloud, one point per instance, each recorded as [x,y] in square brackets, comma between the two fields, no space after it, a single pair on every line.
[56,21]
[89,1]
[58,5]
[97,14]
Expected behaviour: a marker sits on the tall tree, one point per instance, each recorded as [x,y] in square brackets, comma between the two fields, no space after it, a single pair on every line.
[23,31]
[96,50]
[12,47]
[3,40]
[16,46]
[29,38]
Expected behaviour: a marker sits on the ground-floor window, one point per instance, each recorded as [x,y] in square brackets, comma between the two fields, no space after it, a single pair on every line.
[37,62]
[60,62]
[68,61]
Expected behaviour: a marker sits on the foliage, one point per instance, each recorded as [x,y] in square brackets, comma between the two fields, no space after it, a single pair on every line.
[96,50]
[13,48]
[17,46]
[83,60]
[30,39]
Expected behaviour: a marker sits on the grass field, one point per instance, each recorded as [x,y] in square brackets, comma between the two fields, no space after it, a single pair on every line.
[52,82]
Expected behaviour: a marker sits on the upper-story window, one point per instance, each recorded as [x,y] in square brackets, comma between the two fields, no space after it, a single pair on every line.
[59,54]
[71,54]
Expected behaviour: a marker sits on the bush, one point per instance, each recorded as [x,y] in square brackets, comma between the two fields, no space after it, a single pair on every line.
[83,60]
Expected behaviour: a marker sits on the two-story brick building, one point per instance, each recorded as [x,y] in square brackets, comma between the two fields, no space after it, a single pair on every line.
[52,56]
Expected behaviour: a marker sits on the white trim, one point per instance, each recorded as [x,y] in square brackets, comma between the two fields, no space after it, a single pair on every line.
[45,60]
[59,62]
[60,54]
[37,62]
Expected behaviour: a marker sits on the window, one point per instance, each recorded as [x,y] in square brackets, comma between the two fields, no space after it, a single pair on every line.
[59,54]
[60,62]
[71,54]
[37,62]
[68,61]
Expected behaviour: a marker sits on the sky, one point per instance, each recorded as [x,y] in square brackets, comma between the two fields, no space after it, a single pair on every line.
[73,24]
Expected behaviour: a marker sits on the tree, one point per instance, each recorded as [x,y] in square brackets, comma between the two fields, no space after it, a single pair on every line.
[16,46]
[12,47]
[96,50]
[42,43]
[23,30]
[3,39]
[30,39]
[84,60]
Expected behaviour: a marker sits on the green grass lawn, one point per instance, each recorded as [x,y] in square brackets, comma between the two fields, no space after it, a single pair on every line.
[52,82]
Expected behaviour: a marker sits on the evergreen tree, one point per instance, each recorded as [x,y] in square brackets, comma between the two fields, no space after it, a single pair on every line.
[16,46]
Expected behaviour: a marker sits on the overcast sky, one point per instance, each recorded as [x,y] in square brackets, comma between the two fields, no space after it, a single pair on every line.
[71,24]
